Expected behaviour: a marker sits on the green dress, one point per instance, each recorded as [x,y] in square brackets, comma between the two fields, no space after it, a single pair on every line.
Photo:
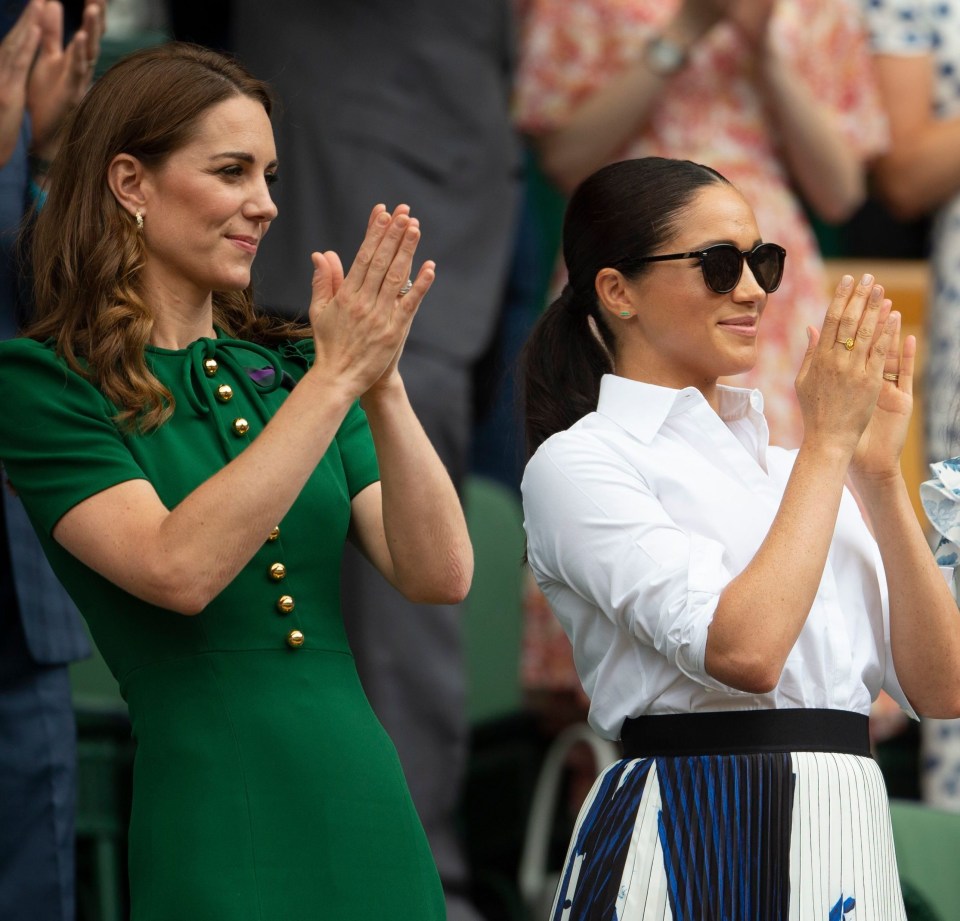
[265,789]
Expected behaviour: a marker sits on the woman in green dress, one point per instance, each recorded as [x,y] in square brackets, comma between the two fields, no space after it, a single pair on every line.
[194,469]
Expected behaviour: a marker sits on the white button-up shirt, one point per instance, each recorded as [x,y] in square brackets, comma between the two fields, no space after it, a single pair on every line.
[639,515]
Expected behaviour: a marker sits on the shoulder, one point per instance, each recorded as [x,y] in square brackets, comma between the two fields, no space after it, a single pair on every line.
[38,362]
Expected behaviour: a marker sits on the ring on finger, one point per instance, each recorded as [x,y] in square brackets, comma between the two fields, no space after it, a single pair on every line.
[891,376]
[405,288]
[847,343]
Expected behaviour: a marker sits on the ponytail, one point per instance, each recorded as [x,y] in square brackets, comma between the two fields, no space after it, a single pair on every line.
[568,351]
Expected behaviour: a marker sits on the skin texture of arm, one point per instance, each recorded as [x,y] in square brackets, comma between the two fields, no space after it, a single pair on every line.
[921,170]
[747,646]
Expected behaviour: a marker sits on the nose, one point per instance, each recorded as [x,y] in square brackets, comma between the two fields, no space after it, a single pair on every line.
[260,206]
[748,288]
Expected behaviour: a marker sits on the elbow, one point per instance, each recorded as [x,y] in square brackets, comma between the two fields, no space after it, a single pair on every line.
[166,588]
[748,673]
[843,204]
[449,586]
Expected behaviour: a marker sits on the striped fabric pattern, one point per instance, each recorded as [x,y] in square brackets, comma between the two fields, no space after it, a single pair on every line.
[780,837]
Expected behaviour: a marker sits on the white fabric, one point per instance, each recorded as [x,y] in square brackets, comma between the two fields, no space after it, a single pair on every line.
[640,514]
[841,846]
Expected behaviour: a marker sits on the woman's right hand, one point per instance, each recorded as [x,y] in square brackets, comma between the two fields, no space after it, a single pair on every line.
[842,371]
[360,321]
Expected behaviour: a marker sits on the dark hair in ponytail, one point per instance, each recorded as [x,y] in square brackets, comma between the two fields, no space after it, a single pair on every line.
[615,217]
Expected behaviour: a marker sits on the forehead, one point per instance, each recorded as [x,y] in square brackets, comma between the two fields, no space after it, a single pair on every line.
[717,213]
[236,124]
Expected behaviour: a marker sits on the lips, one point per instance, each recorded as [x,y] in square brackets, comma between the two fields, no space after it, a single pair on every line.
[247,244]
[741,322]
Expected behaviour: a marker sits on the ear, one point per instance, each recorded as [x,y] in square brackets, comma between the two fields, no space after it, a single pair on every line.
[125,176]
[614,294]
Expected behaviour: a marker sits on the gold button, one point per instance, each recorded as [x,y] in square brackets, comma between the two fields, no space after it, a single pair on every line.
[277,571]
[274,534]
[241,426]
[224,393]
[285,604]
[210,366]
[295,639]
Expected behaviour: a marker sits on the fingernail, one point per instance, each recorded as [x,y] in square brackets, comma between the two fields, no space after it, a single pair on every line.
[876,293]
[845,282]
[383,219]
[866,281]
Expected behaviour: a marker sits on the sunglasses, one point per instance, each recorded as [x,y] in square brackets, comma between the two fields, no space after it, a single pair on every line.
[722,265]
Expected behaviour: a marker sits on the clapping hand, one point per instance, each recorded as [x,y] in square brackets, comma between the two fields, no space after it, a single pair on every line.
[360,321]
[17,51]
[61,76]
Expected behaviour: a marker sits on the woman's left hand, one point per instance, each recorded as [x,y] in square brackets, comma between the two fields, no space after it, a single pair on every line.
[877,456]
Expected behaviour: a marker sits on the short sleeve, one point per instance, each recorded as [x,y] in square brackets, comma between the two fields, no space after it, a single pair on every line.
[58,441]
[595,527]
[357,451]
[354,440]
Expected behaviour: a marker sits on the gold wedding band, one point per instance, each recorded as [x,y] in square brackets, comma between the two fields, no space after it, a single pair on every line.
[847,343]
[405,288]
[890,376]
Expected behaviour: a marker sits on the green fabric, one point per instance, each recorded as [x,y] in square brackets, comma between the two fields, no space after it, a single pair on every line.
[264,787]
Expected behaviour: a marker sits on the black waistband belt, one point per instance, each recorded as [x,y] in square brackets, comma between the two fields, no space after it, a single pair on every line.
[735,732]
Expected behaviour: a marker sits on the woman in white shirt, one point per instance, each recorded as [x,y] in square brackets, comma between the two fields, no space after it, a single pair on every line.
[731,615]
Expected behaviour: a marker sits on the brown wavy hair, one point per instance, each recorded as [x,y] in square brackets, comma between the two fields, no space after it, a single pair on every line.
[87,255]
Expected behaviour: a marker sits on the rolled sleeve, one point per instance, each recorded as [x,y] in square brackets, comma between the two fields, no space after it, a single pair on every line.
[594,525]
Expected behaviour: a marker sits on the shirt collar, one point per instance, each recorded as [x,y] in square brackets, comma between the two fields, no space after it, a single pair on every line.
[642,409]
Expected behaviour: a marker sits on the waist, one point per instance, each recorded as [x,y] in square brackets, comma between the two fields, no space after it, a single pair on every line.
[733,732]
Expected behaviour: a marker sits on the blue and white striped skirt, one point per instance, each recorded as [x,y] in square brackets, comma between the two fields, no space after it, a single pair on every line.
[778,836]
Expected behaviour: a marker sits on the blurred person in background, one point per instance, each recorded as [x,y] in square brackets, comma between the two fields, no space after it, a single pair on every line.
[42,78]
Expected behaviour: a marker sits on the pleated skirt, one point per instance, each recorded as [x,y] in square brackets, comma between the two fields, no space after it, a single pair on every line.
[781,836]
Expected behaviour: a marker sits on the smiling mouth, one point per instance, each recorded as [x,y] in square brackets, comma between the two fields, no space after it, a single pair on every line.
[248,244]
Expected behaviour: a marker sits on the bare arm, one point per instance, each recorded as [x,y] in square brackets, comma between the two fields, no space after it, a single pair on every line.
[830,175]
[617,111]
[127,535]
[924,621]
[411,524]
[761,612]
[921,170]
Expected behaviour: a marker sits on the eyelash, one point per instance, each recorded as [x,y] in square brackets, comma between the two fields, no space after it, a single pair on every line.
[235,172]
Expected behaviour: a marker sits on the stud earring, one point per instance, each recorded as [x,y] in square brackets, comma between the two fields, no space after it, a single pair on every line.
[625,314]
[139,217]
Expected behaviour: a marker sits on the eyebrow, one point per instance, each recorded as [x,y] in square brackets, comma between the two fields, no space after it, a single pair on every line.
[239,155]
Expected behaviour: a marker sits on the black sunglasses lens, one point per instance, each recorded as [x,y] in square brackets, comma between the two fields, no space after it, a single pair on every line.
[722,265]
[766,263]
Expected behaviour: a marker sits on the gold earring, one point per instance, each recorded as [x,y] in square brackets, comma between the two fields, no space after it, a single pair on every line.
[139,216]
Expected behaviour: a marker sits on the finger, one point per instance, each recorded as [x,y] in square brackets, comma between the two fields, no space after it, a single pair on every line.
[831,321]
[94,24]
[908,358]
[813,337]
[382,282]
[336,269]
[853,311]
[321,283]
[361,264]
[78,58]
[377,209]
[52,24]
[876,362]
[872,319]
[401,265]
[421,285]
